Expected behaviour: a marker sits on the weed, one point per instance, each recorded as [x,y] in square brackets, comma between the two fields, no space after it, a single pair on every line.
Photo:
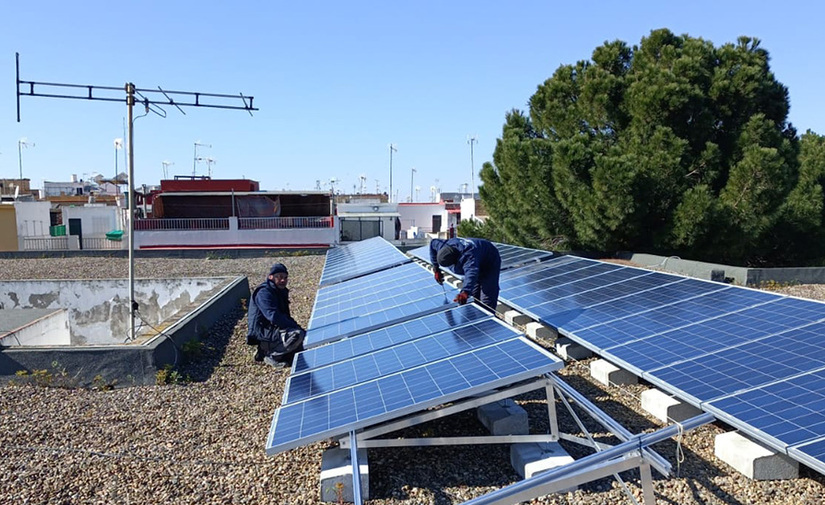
[192,349]
[168,375]
[101,384]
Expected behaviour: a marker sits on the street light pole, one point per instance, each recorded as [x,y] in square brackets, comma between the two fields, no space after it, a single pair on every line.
[392,148]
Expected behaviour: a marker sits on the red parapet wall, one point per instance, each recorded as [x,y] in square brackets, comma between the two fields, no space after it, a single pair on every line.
[172,185]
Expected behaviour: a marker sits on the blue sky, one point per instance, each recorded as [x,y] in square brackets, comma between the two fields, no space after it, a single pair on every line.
[337,82]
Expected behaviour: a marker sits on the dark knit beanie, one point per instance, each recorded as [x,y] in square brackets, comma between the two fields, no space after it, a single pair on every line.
[278,268]
[447,256]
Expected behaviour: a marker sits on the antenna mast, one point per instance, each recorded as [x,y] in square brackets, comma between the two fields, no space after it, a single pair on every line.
[151,100]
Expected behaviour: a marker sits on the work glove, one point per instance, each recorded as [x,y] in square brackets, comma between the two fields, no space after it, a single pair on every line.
[439,277]
[461,297]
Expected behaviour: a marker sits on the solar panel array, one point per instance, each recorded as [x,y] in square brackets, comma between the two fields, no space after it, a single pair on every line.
[511,256]
[395,344]
[360,258]
[753,358]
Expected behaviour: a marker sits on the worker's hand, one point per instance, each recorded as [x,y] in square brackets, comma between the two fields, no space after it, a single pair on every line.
[439,277]
[461,297]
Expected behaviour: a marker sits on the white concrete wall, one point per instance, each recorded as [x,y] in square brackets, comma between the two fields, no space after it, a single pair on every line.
[52,329]
[468,208]
[218,238]
[32,219]
[421,215]
[98,309]
[96,220]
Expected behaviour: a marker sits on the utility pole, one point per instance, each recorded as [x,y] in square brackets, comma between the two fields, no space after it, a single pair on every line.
[472,140]
[392,148]
[177,99]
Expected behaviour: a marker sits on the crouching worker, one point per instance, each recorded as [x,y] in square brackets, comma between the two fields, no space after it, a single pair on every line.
[271,328]
[477,260]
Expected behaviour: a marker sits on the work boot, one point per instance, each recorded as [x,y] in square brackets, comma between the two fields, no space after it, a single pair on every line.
[258,355]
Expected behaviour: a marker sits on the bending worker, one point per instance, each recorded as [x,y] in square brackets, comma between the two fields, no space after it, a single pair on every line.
[477,260]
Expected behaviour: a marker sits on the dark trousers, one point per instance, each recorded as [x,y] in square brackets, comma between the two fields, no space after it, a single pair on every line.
[487,289]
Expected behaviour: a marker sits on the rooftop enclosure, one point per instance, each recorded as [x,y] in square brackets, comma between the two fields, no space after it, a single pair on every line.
[241,204]
[83,325]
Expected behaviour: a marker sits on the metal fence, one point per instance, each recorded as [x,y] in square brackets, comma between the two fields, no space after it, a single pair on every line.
[194,223]
[269,223]
[45,243]
[104,243]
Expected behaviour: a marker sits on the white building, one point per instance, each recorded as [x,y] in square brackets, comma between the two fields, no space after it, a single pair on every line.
[365,219]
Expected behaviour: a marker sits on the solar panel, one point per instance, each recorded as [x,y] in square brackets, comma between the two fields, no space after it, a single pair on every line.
[396,358]
[776,352]
[787,415]
[511,256]
[400,273]
[753,358]
[394,307]
[381,291]
[378,339]
[360,258]
[407,391]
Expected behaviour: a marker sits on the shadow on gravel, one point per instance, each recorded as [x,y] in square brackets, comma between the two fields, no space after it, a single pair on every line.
[199,360]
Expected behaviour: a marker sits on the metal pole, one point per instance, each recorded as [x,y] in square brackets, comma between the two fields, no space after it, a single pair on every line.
[356,470]
[195,160]
[20,159]
[523,490]
[472,140]
[130,103]
[412,176]
[389,195]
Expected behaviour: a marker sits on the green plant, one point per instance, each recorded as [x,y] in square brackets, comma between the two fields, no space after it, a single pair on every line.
[192,349]
[214,255]
[101,384]
[168,375]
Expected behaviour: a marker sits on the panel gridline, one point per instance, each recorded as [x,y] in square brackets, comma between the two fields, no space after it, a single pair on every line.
[343,307]
[545,272]
[385,337]
[511,255]
[534,283]
[359,258]
[395,358]
[366,282]
[383,316]
[746,366]
[790,412]
[669,317]
[408,391]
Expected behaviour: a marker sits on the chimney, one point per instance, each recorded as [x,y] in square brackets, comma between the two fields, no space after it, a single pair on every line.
[74,178]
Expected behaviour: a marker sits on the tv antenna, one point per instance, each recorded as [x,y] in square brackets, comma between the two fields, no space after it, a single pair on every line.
[152,101]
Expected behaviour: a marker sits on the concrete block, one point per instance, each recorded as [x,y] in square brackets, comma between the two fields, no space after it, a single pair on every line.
[501,308]
[609,374]
[516,318]
[538,331]
[752,459]
[504,417]
[667,408]
[568,349]
[336,475]
[533,458]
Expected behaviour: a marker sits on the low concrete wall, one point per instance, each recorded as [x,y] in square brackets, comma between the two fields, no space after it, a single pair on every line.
[99,309]
[132,364]
[732,274]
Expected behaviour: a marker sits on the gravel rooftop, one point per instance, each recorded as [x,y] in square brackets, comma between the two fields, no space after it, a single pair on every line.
[202,441]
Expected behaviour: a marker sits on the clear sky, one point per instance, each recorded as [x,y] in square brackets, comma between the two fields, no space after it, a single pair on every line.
[337,82]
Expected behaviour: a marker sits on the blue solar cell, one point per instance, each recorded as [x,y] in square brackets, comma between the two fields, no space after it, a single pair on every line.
[385,337]
[511,256]
[346,307]
[360,258]
[396,358]
[383,314]
[669,317]
[811,453]
[408,391]
[748,365]
[709,336]
[783,413]
[399,273]
[549,274]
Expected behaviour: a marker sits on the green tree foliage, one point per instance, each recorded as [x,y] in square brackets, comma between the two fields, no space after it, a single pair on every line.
[673,147]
